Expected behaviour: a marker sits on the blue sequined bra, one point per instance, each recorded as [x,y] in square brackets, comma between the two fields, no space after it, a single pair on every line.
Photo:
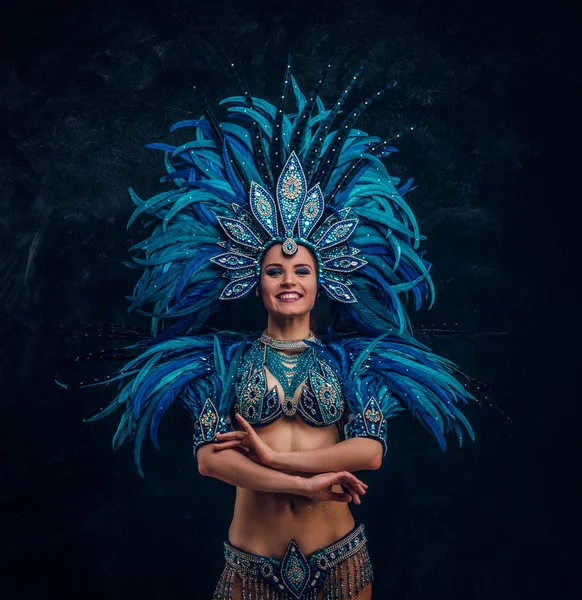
[320,402]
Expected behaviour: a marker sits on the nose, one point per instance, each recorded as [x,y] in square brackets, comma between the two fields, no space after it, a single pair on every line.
[288,278]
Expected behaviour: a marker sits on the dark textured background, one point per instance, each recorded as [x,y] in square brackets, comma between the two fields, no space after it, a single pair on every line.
[492,88]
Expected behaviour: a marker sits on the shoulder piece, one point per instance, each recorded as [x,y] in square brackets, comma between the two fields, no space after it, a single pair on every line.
[392,373]
[198,371]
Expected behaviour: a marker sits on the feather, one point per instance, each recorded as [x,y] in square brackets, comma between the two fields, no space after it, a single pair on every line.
[303,121]
[179,287]
[314,152]
[328,160]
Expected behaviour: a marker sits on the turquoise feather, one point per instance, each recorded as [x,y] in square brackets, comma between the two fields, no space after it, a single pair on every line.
[179,287]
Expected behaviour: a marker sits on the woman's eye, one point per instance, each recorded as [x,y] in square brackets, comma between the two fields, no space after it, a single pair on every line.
[303,272]
[273,272]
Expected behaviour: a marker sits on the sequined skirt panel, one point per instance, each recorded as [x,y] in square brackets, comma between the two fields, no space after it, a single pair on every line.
[336,572]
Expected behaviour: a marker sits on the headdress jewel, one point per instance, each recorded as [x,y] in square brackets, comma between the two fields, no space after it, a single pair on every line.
[291,218]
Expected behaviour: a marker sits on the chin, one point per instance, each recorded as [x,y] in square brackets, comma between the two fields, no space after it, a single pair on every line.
[290,312]
[290,309]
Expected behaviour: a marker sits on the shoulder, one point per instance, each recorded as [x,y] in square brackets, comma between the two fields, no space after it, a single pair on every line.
[251,355]
[252,350]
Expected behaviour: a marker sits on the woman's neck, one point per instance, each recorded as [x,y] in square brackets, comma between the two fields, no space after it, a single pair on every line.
[292,328]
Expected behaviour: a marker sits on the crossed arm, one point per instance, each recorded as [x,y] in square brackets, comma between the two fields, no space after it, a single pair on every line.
[261,469]
[239,470]
[356,454]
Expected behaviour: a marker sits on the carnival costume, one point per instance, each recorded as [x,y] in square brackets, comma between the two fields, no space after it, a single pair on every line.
[301,177]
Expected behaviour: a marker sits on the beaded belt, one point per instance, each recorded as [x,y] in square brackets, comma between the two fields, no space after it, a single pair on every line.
[296,574]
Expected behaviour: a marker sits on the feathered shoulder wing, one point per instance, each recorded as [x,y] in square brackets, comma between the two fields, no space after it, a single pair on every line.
[392,373]
[198,372]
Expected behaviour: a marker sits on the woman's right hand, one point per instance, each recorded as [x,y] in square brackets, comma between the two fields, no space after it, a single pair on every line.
[319,487]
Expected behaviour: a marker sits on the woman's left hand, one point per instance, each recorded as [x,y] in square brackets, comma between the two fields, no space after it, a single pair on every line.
[255,448]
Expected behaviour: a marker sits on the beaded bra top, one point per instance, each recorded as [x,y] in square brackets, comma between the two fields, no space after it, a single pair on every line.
[319,404]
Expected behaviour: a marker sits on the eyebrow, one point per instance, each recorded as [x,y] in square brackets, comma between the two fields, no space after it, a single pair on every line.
[280,265]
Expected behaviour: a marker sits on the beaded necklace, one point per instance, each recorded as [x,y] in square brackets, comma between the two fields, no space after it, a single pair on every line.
[286,344]
[289,371]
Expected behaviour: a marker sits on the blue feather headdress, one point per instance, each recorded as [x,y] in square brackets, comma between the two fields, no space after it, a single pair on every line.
[272,176]
[332,194]
[290,219]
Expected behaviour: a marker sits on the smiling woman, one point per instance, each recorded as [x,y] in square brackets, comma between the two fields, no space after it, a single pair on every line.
[288,287]
[285,417]
[296,403]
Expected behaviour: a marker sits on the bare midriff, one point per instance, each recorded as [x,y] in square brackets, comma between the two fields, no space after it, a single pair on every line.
[265,522]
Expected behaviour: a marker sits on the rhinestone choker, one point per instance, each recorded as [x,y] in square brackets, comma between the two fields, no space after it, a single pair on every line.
[286,344]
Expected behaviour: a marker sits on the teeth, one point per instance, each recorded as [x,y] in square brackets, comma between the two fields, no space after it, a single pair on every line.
[288,296]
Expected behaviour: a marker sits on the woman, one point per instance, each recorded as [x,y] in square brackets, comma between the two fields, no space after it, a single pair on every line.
[273,505]
[290,205]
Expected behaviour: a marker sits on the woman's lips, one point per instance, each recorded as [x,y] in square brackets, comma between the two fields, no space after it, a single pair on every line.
[289,297]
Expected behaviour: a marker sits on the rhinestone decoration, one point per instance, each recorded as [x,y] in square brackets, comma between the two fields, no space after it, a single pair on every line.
[338,233]
[310,209]
[295,570]
[263,208]
[328,396]
[208,425]
[339,292]
[286,344]
[290,372]
[289,247]
[233,260]
[292,187]
[238,288]
[252,395]
[208,419]
[254,402]
[239,273]
[289,406]
[299,577]
[344,264]
[311,212]
[334,276]
[373,415]
[368,423]
[321,402]
[291,192]
[339,252]
[318,233]
[238,232]
[291,218]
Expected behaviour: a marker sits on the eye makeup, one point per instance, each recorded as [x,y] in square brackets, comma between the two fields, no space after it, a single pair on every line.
[275,271]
